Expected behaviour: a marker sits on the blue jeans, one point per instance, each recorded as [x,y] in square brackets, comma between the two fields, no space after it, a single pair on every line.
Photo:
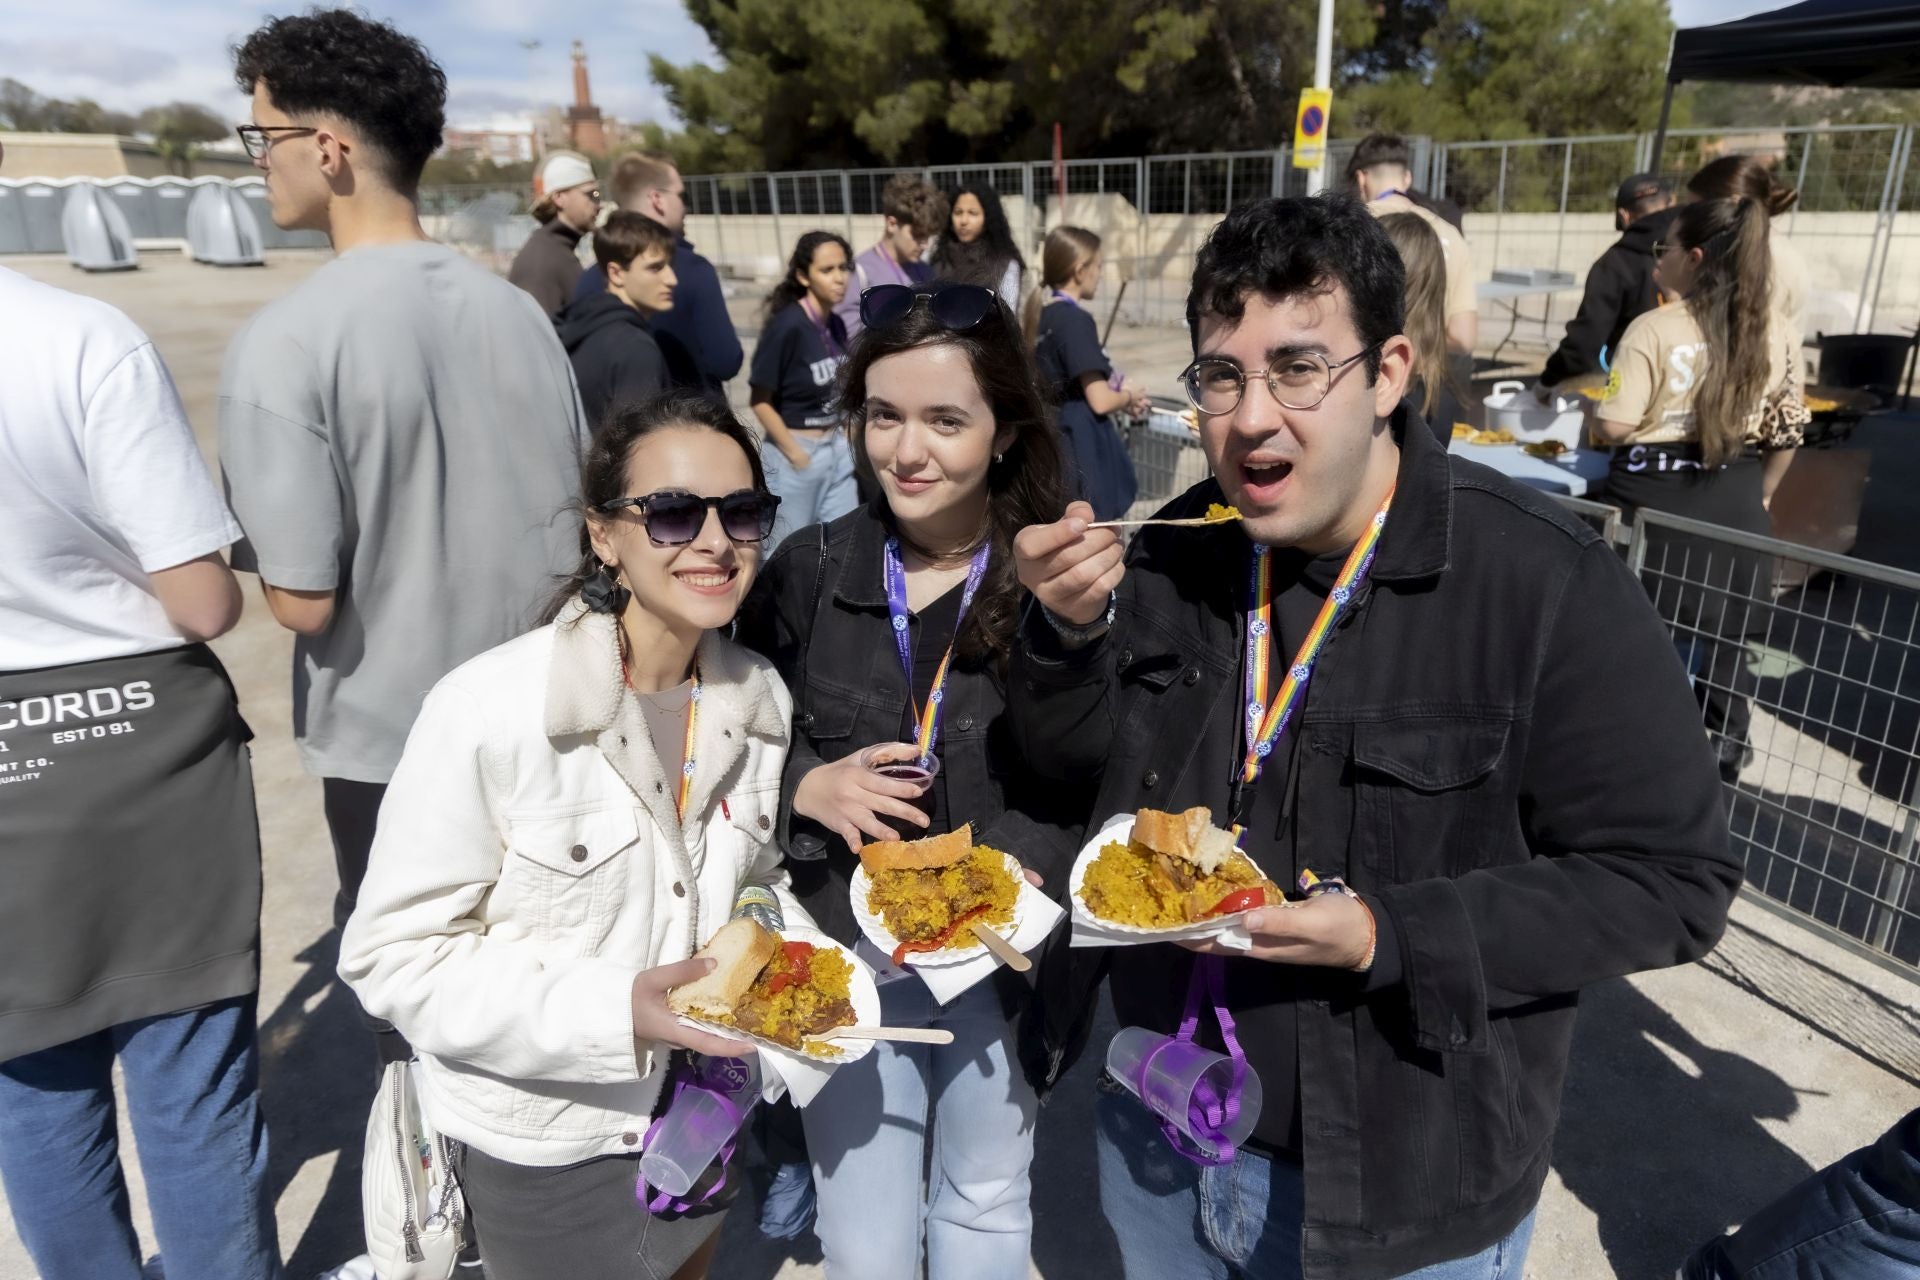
[867,1134]
[192,1083]
[1236,1222]
[1859,1217]
[824,491]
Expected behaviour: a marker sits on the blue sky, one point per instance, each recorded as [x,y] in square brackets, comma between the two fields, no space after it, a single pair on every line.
[129,54]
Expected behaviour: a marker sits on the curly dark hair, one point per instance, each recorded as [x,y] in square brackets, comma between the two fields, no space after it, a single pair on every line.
[790,290]
[1025,485]
[985,260]
[1287,247]
[335,62]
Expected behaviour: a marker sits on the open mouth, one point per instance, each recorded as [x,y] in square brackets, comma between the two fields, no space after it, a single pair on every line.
[1264,481]
[711,582]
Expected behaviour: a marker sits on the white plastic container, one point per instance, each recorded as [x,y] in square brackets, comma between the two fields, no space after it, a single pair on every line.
[1511,407]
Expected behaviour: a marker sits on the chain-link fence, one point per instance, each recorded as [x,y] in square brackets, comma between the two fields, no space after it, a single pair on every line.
[1808,667]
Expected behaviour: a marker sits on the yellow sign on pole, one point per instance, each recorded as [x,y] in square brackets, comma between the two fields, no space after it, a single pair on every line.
[1310,128]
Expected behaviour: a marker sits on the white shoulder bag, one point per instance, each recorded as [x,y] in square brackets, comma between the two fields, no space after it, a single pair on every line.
[410,1199]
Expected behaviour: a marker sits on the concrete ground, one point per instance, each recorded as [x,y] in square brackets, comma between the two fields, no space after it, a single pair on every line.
[1695,1095]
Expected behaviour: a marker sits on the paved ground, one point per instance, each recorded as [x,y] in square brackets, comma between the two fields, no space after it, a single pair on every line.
[1695,1095]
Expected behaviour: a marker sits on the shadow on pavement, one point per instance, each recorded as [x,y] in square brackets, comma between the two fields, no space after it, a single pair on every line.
[317,1080]
[1666,1155]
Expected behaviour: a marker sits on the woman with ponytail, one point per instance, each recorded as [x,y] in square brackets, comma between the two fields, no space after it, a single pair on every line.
[1735,177]
[1077,374]
[575,812]
[1704,411]
[795,364]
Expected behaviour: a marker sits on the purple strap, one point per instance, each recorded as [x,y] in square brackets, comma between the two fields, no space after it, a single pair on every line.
[1212,1111]
[661,1202]
[895,575]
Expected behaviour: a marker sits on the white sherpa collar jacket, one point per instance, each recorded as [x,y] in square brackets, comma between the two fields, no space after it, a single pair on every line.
[529,862]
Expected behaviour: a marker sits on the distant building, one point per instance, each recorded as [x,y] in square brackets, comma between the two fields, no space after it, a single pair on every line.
[586,130]
[503,142]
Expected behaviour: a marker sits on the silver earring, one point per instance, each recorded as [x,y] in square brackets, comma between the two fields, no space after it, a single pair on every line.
[999,457]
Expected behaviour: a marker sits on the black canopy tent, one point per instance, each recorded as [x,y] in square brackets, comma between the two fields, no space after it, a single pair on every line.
[1843,44]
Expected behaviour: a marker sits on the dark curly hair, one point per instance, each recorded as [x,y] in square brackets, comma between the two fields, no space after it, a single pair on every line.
[790,290]
[335,62]
[1297,245]
[1025,485]
[985,260]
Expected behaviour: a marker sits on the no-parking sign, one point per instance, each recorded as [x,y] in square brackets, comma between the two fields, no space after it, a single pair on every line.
[1310,128]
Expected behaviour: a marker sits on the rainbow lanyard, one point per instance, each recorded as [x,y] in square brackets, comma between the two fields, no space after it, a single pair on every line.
[686,746]
[927,719]
[1266,722]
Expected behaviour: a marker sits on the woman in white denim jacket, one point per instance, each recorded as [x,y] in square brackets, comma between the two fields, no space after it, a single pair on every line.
[534,888]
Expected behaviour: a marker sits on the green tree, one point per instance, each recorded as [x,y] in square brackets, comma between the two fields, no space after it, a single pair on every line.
[178,129]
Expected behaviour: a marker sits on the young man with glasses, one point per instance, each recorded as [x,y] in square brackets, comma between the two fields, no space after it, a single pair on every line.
[696,335]
[399,433]
[1492,765]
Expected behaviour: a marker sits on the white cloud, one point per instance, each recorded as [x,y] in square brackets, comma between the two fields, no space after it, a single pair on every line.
[80,48]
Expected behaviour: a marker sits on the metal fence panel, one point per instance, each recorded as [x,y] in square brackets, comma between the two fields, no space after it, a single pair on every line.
[1821,654]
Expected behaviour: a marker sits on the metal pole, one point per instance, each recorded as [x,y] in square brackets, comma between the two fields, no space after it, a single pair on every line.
[719,223]
[1666,113]
[1881,224]
[1903,152]
[1323,79]
[1800,183]
[773,203]
[846,202]
[1560,227]
[1500,204]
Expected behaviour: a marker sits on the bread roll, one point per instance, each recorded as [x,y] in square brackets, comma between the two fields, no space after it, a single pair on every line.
[741,949]
[1190,835]
[917,855]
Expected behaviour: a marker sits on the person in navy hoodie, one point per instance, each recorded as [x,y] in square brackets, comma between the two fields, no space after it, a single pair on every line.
[608,336]
[696,336]
[796,367]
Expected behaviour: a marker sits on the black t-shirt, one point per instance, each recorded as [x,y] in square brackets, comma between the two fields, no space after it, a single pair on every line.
[1150,983]
[1067,346]
[930,632]
[797,369]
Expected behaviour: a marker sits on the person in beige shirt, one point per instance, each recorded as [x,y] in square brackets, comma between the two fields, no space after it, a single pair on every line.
[1731,177]
[1382,174]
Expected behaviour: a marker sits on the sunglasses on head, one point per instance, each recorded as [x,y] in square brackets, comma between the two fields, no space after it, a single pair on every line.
[674,517]
[957,306]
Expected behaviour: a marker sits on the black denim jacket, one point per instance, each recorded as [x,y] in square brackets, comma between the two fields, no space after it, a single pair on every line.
[833,619]
[1498,748]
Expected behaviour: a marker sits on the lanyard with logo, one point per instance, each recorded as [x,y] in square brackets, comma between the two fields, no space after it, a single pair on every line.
[927,719]
[1267,720]
[686,746]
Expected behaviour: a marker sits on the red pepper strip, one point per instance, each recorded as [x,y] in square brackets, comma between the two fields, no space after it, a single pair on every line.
[796,966]
[1240,900]
[939,940]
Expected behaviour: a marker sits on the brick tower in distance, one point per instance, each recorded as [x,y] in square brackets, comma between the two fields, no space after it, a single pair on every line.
[585,130]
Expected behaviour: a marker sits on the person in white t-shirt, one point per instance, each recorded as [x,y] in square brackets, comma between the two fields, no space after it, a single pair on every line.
[130,889]
[1383,176]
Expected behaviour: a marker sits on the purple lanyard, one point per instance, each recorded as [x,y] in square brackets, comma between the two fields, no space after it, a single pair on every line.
[927,721]
[1210,1111]
[661,1202]
[823,329]
[897,269]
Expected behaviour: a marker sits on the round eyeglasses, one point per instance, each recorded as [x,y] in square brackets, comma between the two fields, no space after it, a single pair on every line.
[1298,380]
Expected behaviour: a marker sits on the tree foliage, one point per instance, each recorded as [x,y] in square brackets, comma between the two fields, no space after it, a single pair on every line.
[823,83]
[23,109]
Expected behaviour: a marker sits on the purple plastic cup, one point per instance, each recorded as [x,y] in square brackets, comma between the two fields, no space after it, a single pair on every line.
[1183,1083]
[707,1112]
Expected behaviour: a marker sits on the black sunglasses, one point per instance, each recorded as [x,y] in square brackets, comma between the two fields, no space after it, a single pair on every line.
[957,306]
[674,517]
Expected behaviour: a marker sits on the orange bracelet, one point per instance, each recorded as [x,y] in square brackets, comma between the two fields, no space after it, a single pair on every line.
[1373,935]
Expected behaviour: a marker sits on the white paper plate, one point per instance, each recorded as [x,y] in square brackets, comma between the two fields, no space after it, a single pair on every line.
[862,993]
[877,932]
[1119,830]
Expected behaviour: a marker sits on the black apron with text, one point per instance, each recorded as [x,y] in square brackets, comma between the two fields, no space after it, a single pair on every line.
[129,845]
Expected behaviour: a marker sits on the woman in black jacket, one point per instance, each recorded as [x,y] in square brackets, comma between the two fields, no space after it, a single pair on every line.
[950,429]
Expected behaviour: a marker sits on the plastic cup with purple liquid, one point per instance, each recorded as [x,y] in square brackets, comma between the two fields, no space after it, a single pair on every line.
[901,762]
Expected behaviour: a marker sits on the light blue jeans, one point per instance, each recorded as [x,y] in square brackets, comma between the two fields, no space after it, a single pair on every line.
[868,1133]
[1236,1222]
[824,491]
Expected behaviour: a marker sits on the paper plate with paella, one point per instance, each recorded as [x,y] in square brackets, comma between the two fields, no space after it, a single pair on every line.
[922,902]
[787,992]
[1165,877]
